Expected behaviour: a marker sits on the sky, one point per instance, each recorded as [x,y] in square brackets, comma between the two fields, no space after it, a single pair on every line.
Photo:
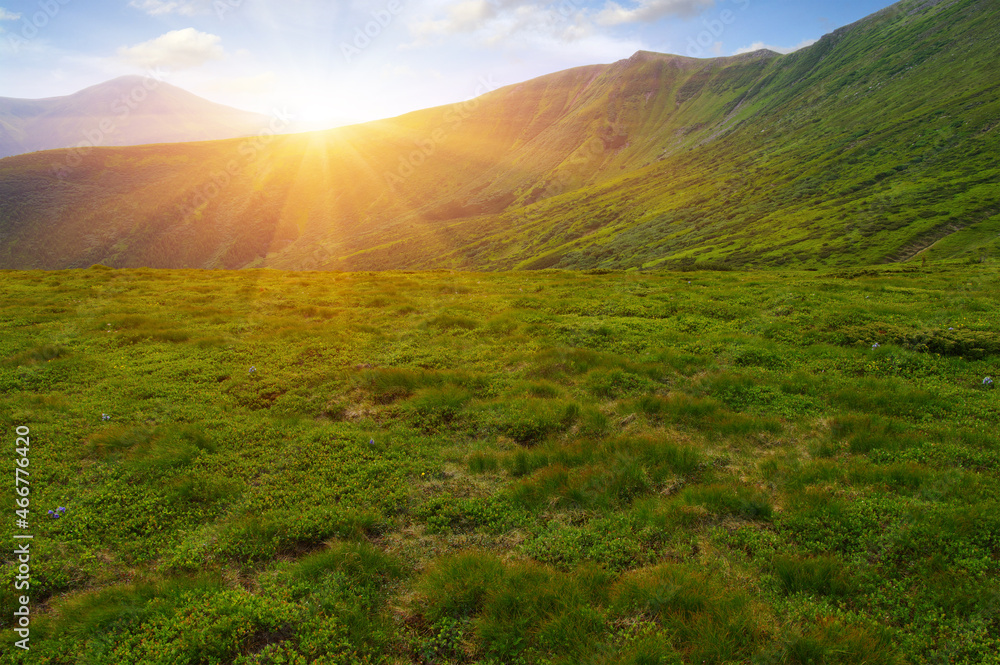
[339,62]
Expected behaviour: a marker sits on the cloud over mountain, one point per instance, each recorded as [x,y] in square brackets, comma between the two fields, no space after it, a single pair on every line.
[163,7]
[649,11]
[177,49]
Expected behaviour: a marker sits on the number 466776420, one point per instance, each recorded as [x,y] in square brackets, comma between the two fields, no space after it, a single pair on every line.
[20,471]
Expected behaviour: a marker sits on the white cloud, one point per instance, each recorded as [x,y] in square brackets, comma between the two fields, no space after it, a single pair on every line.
[178,49]
[649,11]
[8,16]
[562,31]
[804,43]
[461,17]
[182,7]
[756,46]
[510,22]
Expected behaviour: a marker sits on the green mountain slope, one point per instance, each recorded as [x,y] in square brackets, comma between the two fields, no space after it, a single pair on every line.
[873,145]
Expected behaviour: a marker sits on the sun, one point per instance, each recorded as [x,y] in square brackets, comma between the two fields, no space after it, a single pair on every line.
[317,109]
[314,118]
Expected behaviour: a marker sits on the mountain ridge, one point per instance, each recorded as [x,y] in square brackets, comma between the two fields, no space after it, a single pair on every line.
[843,153]
[137,110]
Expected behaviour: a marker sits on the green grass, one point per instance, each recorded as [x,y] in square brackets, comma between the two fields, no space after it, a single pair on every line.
[469,468]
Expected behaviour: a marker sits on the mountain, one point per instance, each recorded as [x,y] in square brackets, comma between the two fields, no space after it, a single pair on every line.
[130,110]
[876,144]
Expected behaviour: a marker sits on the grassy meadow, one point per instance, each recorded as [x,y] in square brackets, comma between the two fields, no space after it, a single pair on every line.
[544,468]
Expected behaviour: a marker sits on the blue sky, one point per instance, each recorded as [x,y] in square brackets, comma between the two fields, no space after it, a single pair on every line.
[330,63]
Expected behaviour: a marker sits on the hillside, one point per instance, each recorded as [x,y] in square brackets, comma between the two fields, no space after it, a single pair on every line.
[444,468]
[130,110]
[875,144]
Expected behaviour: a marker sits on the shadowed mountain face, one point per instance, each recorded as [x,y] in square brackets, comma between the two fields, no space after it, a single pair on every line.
[878,142]
[130,110]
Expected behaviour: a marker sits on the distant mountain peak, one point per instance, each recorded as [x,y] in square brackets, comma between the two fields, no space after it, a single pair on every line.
[759,54]
[653,56]
[128,79]
[140,110]
[685,62]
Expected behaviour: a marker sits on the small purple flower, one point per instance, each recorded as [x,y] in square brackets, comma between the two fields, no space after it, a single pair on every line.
[105,416]
[988,382]
[875,346]
[51,513]
[61,509]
